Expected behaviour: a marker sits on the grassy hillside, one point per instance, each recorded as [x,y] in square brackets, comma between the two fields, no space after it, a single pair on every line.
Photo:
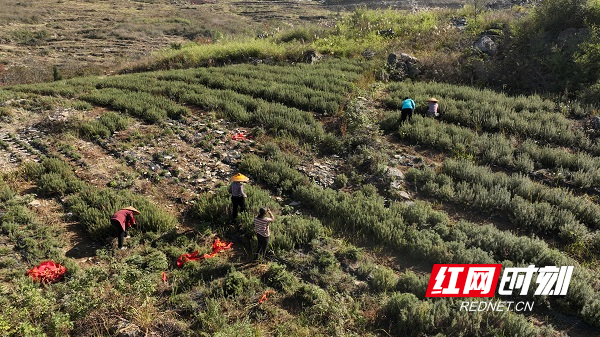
[350,255]
[364,205]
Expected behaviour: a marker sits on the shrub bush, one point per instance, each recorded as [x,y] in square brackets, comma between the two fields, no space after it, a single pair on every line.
[410,282]
[383,279]
[295,232]
[309,295]
[279,278]
[235,283]
[93,208]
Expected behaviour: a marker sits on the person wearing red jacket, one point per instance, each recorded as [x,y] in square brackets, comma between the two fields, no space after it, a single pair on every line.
[122,220]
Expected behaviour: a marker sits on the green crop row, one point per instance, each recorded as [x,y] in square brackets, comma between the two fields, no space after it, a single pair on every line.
[32,239]
[539,216]
[428,234]
[421,91]
[582,207]
[294,95]
[67,88]
[92,206]
[498,150]
[143,105]
[103,127]
[334,76]
[523,116]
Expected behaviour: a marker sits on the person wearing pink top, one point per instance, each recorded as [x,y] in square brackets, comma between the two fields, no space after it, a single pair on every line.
[121,221]
[432,110]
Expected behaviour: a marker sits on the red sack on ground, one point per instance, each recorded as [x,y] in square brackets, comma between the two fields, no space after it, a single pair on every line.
[47,272]
[188,257]
[218,246]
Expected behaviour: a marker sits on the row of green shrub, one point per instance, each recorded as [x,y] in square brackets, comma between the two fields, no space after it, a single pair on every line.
[103,127]
[91,206]
[68,88]
[335,75]
[582,207]
[292,94]
[32,239]
[143,105]
[427,234]
[523,116]
[578,168]
[540,217]
[498,150]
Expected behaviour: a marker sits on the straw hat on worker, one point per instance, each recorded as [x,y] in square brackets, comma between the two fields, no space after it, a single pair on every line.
[432,99]
[240,178]
[133,209]
[238,196]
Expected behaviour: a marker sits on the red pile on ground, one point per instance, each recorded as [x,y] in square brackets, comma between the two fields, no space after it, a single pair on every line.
[240,136]
[217,246]
[47,272]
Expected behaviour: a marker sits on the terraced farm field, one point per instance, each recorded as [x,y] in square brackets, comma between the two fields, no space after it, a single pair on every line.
[364,205]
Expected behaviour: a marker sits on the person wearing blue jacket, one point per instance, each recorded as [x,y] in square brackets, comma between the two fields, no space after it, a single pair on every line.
[408,106]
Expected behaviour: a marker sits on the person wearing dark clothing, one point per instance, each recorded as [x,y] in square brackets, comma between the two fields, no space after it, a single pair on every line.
[263,232]
[122,220]
[238,196]
[408,106]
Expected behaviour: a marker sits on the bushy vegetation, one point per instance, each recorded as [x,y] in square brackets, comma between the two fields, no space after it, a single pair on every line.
[103,127]
[427,234]
[543,213]
[91,206]
[332,267]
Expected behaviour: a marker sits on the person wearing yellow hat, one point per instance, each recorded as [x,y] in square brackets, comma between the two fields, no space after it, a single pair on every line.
[238,197]
[432,110]
[122,220]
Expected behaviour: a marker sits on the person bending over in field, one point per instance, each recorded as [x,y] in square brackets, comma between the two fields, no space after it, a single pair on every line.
[408,106]
[261,227]
[432,107]
[121,221]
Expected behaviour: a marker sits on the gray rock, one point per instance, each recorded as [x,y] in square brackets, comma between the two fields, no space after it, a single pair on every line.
[395,185]
[35,203]
[403,66]
[486,45]
[404,195]
[395,173]
[311,56]
[596,123]
[460,22]
[369,53]
[124,328]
